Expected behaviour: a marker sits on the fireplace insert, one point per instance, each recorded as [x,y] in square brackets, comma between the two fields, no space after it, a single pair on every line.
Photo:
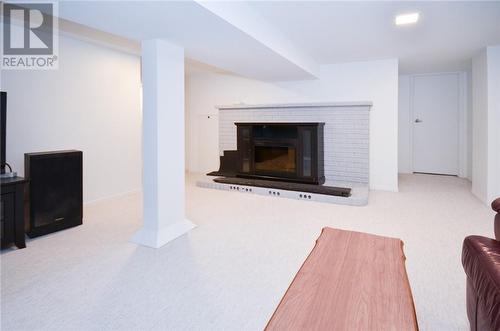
[281,151]
[275,159]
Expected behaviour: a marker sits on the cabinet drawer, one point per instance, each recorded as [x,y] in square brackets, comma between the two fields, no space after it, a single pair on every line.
[7,218]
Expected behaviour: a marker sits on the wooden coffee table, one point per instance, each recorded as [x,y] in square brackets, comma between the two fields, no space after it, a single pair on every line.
[350,281]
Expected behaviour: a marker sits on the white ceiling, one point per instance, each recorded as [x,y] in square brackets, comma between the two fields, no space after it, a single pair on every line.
[285,40]
[447,35]
[205,36]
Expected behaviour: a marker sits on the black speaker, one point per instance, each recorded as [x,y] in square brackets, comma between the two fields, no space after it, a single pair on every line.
[54,190]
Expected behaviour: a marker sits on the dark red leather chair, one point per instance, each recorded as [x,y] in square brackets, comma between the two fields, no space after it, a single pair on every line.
[481,261]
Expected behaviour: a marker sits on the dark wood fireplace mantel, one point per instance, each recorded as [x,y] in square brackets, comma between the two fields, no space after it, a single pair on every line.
[281,151]
[290,152]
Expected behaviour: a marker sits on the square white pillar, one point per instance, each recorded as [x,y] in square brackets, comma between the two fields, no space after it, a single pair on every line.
[163,144]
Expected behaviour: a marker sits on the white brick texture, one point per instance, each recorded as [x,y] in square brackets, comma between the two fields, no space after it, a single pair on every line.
[346,135]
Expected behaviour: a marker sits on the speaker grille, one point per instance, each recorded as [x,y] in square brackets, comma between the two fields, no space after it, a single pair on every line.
[55,191]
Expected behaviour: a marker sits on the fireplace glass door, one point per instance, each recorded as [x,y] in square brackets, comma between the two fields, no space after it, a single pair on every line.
[275,159]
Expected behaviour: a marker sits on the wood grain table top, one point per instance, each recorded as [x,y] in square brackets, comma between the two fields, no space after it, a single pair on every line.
[349,281]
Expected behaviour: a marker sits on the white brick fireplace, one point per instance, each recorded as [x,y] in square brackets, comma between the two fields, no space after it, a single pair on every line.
[346,132]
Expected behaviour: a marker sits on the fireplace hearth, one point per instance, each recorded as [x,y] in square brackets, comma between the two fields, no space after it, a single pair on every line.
[291,152]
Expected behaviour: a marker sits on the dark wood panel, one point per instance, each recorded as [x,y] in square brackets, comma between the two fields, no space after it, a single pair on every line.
[253,136]
[55,192]
[12,213]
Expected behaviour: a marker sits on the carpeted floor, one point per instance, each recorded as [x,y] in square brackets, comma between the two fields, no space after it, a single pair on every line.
[231,271]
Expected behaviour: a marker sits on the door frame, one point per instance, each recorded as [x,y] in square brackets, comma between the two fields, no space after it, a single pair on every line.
[462,139]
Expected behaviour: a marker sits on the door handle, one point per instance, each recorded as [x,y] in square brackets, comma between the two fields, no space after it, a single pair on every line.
[418,120]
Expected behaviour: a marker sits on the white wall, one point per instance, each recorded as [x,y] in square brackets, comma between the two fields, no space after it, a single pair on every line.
[91,103]
[404,149]
[486,127]
[375,81]
[405,156]
[479,126]
[494,120]
[469,123]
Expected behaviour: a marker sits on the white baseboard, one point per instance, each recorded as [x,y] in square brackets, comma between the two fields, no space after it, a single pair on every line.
[114,196]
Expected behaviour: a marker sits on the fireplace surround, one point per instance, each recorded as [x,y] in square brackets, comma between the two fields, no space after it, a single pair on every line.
[289,152]
[281,151]
[345,154]
[346,132]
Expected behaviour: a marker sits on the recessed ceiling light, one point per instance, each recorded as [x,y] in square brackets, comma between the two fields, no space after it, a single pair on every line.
[407,19]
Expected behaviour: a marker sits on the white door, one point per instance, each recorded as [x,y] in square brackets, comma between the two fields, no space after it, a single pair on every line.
[435,123]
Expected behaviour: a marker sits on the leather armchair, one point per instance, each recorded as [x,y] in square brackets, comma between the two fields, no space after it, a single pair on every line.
[481,261]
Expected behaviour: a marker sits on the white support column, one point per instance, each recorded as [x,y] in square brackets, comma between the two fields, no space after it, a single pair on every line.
[163,144]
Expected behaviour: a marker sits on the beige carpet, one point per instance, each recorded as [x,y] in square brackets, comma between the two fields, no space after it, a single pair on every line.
[231,271]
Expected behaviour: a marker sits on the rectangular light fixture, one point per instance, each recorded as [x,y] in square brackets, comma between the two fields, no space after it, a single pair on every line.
[407,19]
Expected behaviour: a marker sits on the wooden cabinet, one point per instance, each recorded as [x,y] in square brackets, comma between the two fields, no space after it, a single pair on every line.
[12,211]
[55,191]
